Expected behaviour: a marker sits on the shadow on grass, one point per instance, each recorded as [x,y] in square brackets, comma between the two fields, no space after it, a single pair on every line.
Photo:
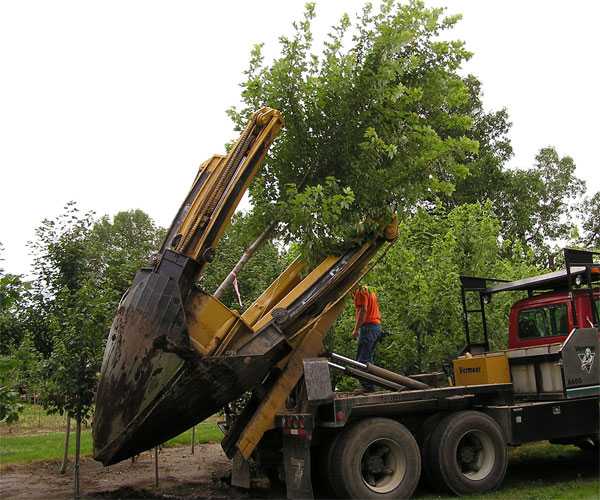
[551,464]
[541,471]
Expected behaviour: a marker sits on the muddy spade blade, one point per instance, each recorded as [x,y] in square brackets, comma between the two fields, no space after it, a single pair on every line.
[153,385]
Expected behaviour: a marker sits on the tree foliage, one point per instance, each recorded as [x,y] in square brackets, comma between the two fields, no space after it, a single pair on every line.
[419,288]
[256,276]
[590,213]
[118,248]
[66,289]
[82,266]
[27,375]
[375,123]
[537,206]
[12,303]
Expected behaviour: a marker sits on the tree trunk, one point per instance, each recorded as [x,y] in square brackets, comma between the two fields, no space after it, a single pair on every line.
[193,438]
[156,466]
[250,251]
[63,467]
[39,410]
[77,452]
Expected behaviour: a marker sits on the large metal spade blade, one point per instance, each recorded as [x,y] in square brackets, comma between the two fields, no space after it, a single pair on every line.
[153,385]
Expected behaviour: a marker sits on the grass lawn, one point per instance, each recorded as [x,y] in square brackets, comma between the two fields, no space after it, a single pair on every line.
[542,471]
[37,436]
[535,472]
[34,420]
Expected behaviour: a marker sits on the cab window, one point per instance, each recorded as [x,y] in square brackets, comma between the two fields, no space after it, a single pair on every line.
[549,321]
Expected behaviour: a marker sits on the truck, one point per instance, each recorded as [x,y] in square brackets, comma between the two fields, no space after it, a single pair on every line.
[176,355]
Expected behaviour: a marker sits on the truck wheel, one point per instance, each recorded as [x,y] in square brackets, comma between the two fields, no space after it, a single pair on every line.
[376,458]
[424,436]
[322,473]
[467,454]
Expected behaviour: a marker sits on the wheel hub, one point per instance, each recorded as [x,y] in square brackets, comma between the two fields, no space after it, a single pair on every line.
[468,455]
[475,455]
[374,464]
[383,466]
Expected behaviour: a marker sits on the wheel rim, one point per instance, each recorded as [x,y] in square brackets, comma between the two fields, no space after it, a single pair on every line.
[383,465]
[475,455]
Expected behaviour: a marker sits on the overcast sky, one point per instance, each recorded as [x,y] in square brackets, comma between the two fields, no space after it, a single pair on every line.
[114,104]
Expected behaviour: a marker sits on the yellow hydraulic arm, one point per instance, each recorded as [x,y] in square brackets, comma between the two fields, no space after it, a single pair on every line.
[176,355]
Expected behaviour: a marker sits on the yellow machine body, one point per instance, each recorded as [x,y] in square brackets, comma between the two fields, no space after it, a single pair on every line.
[488,368]
[176,355]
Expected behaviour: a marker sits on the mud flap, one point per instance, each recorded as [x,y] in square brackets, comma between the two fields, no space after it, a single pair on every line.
[296,461]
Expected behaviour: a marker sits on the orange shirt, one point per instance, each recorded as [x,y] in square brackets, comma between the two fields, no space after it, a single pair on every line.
[368,300]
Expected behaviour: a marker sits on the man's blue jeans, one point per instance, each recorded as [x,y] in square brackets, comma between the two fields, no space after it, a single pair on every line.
[367,341]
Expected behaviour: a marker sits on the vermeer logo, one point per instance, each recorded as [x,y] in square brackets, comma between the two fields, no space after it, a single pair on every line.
[586,355]
[468,371]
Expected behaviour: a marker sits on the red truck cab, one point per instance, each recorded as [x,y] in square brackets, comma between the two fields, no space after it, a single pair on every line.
[548,318]
[556,303]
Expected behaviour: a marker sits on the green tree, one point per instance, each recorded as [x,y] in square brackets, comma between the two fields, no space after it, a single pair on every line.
[487,168]
[82,266]
[66,287]
[253,278]
[419,288]
[118,248]
[10,407]
[12,301]
[534,205]
[27,376]
[538,203]
[590,213]
[374,123]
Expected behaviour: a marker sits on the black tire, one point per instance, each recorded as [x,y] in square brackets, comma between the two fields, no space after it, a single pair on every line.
[466,453]
[376,458]
[322,468]
[424,436]
[273,474]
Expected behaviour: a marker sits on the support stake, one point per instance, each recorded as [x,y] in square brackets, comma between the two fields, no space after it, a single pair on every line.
[156,466]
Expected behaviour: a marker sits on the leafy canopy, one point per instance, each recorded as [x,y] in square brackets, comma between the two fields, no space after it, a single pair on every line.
[82,267]
[418,287]
[12,303]
[374,124]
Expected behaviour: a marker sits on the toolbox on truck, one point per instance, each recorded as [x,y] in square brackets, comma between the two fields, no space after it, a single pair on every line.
[488,368]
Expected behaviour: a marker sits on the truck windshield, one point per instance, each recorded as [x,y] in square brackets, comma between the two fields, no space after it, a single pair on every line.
[549,321]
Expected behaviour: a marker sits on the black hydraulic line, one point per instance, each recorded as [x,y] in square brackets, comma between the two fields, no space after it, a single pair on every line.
[359,374]
[379,372]
[395,377]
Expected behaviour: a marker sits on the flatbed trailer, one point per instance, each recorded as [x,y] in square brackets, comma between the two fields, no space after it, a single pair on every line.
[380,444]
[359,445]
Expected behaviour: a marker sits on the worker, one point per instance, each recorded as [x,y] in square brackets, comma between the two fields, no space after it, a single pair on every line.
[367,326]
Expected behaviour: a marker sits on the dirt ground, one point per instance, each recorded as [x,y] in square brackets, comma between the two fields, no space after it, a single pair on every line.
[203,475]
[535,471]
